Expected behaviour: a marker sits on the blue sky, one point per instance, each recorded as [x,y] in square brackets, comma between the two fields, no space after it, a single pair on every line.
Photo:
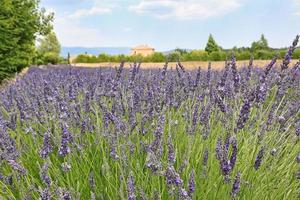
[167,24]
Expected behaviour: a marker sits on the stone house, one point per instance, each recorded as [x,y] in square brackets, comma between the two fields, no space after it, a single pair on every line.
[143,50]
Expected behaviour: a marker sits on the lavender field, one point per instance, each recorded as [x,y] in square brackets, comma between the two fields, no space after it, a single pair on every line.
[115,133]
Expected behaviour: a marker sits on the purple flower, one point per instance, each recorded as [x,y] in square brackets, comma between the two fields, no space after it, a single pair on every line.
[7,144]
[45,194]
[208,75]
[63,194]
[259,158]
[131,187]
[183,194]
[245,111]
[44,175]
[219,149]
[205,157]
[236,76]
[298,158]
[171,152]
[65,140]
[66,196]
[16,166]
[204,120]
[113,152]
[221,85]
[172,177]
[195,118]
[234,153]
[226,165]
[153,162]
[262,87]
[288,55]
[236,186]
[198,76]
[47,146]
[192,184]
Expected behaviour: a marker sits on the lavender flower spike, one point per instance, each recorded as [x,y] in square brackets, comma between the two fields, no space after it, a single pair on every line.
[16,166]
[288,55]
[47,147]
[66,138]
[44,175]
[236,185]
[205,157]
[131,187]
[183,194]
[259,158]
[234,153]
[171,152]
[45,194]
[192,184]
[172,177]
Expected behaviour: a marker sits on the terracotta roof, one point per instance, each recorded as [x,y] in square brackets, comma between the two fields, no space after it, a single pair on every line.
[143,46]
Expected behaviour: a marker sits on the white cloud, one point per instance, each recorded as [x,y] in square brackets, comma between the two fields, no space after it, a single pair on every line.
[185,9]
[92,11]
[98,7]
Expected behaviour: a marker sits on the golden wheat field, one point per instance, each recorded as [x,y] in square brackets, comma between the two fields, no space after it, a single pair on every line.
[190,65]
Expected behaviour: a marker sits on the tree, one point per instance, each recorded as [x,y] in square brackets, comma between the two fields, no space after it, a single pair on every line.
[49,43]
[211,45]
[20,23]
[261,44]
[156,57]
[49,48]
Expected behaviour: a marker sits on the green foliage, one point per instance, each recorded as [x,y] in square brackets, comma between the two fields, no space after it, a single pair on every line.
[217,56]
[244,55]
[51,57]
[48,49]
[49,43]
[261,44]
[296,54]
[85,58]
[174,57]
[20,22]
[264,55]
[211,45]
[156,57]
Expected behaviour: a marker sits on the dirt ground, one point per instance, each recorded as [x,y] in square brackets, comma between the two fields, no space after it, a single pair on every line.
[217,65]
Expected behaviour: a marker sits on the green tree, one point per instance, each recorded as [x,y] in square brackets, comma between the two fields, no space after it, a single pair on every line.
[196,55]
[49,43]
[211,45]
[261,44]
[49,48]
[217,56]
[21,21]
[156,57]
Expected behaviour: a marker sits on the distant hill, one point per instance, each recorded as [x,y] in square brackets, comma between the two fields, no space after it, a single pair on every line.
[94,50]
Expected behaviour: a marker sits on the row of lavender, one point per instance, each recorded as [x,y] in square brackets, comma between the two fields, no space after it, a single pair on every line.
[114,133]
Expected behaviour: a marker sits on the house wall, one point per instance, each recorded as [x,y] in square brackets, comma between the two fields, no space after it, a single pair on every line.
[143,52]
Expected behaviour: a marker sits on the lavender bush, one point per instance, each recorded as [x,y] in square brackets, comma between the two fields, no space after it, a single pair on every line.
[116,133]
